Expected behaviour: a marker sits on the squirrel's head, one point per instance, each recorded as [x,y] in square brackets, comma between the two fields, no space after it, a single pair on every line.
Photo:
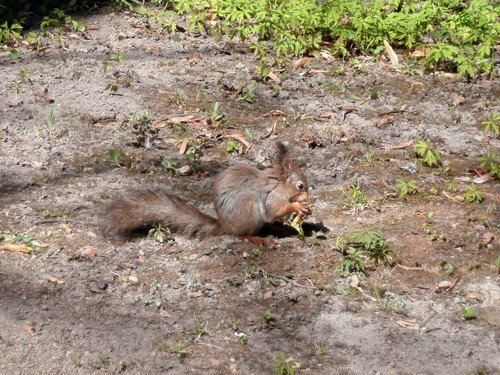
[296,181]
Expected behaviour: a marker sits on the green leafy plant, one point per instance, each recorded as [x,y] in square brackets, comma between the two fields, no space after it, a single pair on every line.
[429,154]
[120,158]
[356,198]
[473,194]
[406,187]
[59,18]
[114,58]
[492,124]
[10,33]
[389,304]
[233,146]
[371,241]
[268,318]
[450,36]
[353,262]
[159,233]
[490,162]
[284,365]
[448,268]
[361,245]
[469,313]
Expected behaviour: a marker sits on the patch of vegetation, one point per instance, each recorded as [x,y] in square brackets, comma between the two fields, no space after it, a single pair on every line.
[473,194]
[51,213]
[27,239]
[356,197]
[492,124]
[120,158]
[112,59]
[469,313]
[406,187]
[490,162]
[284,365]
[353,262]
[197,331]
[450,34]
[362,244]
[159,233]
[447,34]
[268,317]
[394,305]
[233,146]
[429,154]
[448,268]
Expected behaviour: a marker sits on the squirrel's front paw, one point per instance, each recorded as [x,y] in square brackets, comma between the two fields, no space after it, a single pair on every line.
[302,208]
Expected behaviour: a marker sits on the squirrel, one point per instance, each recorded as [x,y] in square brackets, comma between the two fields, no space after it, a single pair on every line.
[244,198]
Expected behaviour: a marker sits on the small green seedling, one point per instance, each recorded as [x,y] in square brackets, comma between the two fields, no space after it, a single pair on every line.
[118,58]
[353,262]
[284,365]
[268,318]
[447,267]
[490,162]
[120,158]
[355,195]
[451,186]
[473,194]
[469,313]
[406,187]
[430,155]
[233,146]
[159,233]
[492,124]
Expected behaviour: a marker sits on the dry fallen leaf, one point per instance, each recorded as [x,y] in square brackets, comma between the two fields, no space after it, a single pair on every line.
[198,293]
[456,198]
[164,313]
[89,252]
[29,327]
[54,280]
[46,96]
[398,146]
[184,145]
[472,294]
[133,279]
[421,53]
[15,248]
[240,138]
[487,238]
[66,227]
[407,324]
[274,77]
[92,26]
[271,131]
[392,55]
[274,112]
[384,121]
[297,64]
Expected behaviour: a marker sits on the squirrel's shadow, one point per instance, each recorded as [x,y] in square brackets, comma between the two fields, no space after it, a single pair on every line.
[277,229]
[281,230]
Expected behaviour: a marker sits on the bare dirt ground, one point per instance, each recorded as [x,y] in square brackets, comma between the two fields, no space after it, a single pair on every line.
[82,304]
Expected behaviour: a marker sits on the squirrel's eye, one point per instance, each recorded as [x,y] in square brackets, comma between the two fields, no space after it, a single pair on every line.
[300,186]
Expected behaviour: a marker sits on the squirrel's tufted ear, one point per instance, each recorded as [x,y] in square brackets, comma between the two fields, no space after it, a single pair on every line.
[285,161]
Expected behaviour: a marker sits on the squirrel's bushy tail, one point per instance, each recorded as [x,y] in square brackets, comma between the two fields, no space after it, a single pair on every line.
[146,208]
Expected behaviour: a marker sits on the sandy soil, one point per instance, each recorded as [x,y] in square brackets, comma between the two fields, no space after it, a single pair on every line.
[80,303]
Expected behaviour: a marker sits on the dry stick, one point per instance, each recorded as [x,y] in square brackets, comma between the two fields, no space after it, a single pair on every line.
[424,323]
[454,284]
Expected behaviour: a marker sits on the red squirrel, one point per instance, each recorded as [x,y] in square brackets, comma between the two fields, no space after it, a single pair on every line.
[244,199]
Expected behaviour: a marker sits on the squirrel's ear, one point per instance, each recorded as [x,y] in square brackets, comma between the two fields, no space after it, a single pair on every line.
[285,161]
